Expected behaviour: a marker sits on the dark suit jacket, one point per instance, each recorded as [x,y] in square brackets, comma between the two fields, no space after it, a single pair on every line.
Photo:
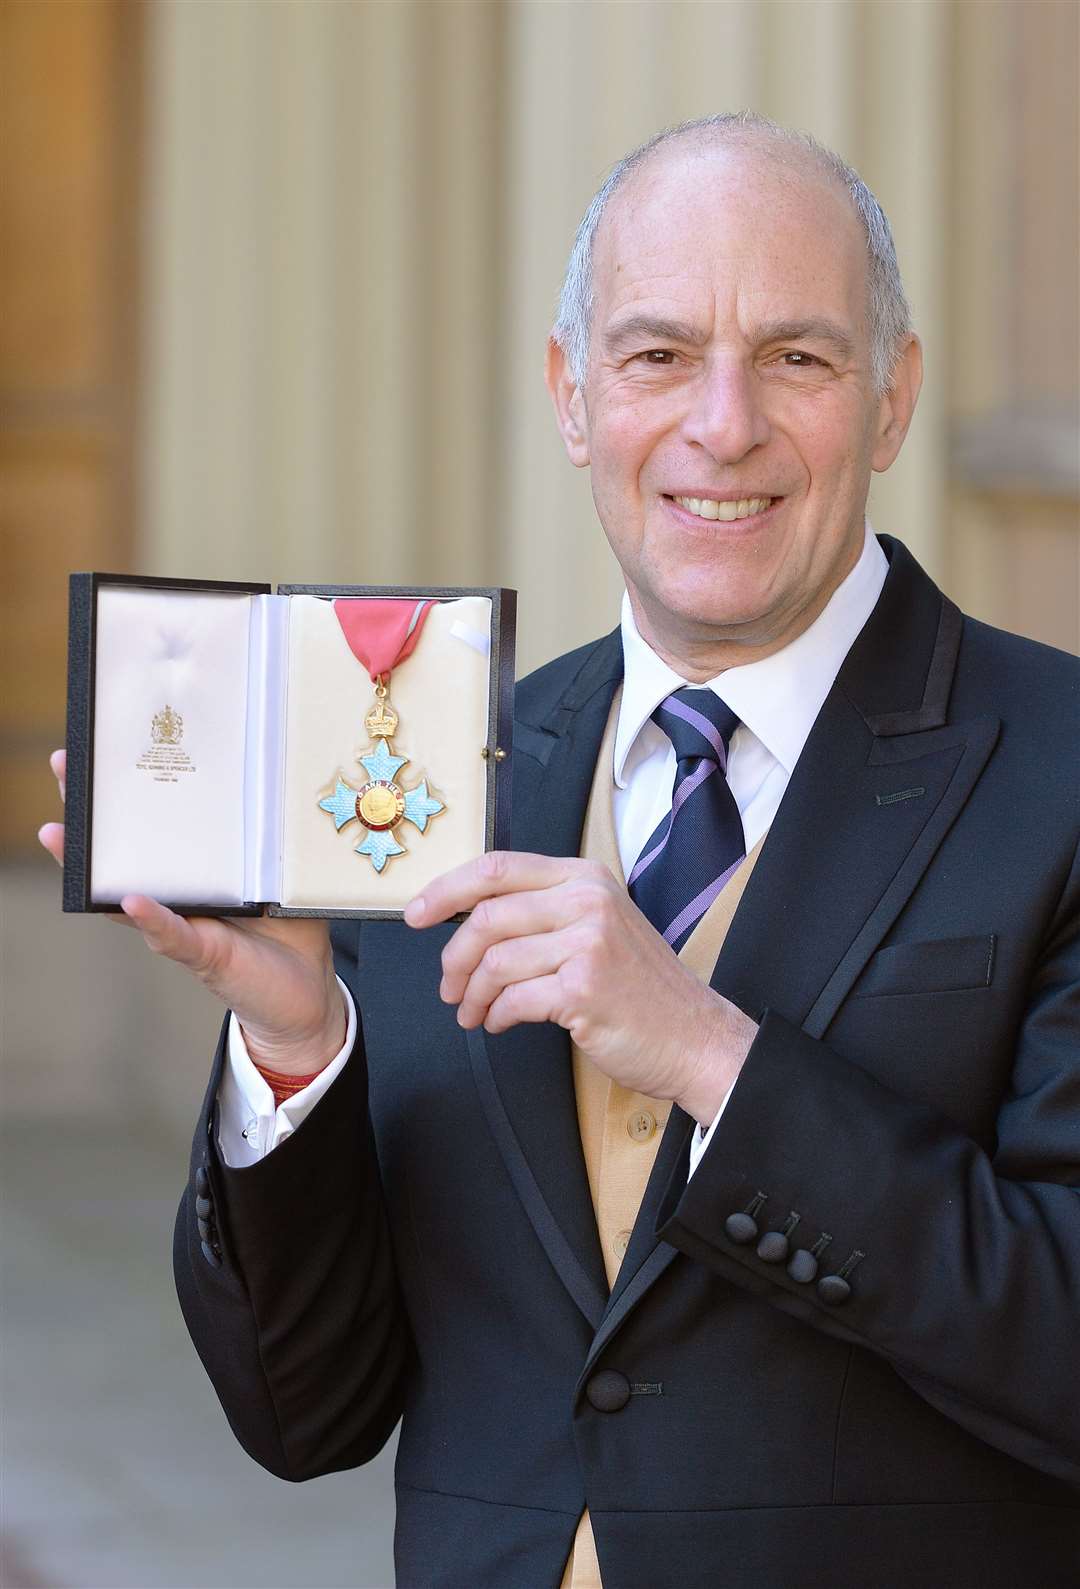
[424,1245]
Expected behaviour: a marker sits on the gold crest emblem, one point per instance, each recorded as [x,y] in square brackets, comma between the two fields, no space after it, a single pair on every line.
[167,727]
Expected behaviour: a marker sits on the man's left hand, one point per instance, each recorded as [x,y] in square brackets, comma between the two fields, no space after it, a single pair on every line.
[553,939]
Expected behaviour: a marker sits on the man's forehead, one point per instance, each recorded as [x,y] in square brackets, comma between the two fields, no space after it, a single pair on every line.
[722,169]
[686,213]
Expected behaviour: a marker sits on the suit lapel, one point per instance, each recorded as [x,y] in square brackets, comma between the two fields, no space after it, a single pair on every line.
[524,1076]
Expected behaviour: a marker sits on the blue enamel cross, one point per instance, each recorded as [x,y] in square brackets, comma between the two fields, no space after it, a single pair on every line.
[380,805]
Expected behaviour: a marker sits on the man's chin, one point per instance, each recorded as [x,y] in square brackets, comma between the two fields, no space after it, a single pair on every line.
[721,616]
[700,634]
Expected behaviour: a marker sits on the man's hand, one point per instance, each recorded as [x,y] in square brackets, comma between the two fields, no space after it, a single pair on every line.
[277,975]
[559,940]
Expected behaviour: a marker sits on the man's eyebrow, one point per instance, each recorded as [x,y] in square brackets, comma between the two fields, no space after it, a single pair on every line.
[816,329]
[651,328]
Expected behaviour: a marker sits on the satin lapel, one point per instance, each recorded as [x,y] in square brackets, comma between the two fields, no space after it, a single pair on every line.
[525,1076]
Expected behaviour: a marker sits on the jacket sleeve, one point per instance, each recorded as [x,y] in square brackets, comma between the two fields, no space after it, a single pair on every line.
[286,1280]
[961,1266]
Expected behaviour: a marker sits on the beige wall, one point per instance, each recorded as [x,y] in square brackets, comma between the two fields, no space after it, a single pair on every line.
[357,219]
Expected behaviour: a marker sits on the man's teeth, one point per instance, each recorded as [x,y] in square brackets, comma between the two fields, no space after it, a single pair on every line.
[707,508]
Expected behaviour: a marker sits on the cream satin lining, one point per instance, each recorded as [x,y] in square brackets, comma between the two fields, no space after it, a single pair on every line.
[181,840]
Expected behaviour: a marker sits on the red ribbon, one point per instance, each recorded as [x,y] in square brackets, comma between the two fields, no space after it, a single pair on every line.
[381,633]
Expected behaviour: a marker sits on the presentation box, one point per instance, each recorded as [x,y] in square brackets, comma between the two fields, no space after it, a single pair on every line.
[229,752]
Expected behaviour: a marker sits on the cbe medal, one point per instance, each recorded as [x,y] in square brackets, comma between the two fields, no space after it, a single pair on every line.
[380,635]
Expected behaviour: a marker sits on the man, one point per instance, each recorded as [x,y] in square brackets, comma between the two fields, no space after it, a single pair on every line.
[821,1332]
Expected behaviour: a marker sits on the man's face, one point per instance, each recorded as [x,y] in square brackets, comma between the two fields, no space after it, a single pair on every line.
[728,414]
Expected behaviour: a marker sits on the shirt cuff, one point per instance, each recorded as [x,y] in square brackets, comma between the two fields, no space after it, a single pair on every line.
[701,1138]
[249,1126]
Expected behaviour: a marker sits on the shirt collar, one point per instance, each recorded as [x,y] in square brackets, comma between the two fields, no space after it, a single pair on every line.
[777,698]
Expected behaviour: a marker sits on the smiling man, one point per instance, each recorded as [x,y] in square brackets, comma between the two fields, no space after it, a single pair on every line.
[738,372]
[707,1203]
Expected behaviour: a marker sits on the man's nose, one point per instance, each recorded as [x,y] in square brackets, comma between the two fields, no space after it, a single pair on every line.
[726,416]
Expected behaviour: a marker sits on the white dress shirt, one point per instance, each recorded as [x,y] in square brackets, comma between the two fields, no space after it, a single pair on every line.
[776,701]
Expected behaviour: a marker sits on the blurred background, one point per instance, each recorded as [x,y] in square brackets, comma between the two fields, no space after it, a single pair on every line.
[275,280]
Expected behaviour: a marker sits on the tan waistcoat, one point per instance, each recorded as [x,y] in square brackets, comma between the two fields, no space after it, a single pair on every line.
[620,1129]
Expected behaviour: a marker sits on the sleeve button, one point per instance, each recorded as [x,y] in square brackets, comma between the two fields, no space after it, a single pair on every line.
[773,1247]
[803,1266]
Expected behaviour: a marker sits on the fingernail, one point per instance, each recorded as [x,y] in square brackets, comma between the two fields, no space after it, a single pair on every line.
[414,911]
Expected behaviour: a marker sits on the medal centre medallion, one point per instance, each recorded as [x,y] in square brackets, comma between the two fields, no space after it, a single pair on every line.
[380,805]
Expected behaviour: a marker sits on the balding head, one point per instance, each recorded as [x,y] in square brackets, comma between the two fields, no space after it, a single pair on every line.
[888,316]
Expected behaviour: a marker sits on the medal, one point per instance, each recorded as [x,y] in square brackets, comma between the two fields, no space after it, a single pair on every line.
[381,634]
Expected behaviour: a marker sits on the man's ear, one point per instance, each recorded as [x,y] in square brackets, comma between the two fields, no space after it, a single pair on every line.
[569,405]
[898,405]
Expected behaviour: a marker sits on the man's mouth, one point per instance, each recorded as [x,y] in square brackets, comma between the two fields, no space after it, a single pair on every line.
[728,510]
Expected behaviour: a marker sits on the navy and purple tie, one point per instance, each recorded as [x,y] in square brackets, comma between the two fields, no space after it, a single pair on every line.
[700,842]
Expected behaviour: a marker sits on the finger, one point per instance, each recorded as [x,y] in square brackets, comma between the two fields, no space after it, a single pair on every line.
[493,920]
[496,872]
[514,960]
[51,835]
[164,931]
[58,763]
[538,1000]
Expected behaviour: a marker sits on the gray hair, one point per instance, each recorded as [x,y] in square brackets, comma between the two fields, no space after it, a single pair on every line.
[890,317]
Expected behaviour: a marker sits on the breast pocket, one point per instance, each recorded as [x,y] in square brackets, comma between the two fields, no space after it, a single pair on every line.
[944,965]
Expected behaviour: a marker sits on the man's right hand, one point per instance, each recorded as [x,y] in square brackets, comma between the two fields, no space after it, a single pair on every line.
[276,974]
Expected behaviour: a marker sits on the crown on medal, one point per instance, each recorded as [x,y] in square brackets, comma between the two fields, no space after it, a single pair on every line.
[167,727]
[381,721]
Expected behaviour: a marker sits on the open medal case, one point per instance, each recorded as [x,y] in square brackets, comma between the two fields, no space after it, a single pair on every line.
[215,736]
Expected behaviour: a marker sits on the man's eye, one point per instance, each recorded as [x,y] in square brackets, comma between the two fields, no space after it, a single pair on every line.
[797,360]
[657,356]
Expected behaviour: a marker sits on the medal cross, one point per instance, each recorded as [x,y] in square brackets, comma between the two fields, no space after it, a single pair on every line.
[381,805]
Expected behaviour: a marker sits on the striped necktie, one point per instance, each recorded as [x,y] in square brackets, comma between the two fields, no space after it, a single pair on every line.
[700,842]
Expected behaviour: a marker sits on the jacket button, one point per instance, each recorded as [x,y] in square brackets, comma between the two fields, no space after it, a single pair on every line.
[203,1207]
[204,1229]
[210,1255]
[608,1391]
[833,1290]
[202,1181]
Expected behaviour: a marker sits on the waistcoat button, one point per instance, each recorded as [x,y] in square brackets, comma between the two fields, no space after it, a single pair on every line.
[641,1125]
